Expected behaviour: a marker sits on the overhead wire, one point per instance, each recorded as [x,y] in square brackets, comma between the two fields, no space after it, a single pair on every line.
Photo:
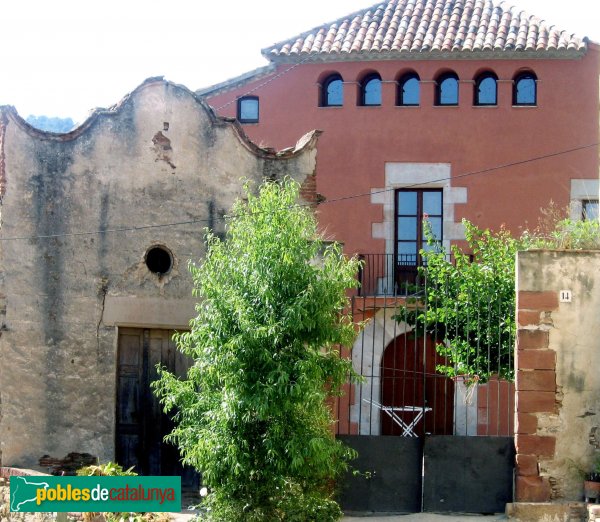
[261,85]
[325,202]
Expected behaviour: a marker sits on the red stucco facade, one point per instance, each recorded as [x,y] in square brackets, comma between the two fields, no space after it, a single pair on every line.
[358,141]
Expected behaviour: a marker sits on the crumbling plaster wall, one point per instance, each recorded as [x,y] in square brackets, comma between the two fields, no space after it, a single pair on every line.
[78,215]
[558,381]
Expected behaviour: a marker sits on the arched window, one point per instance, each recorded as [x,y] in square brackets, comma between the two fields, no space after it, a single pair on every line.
[409,88]
[332,91]
[525,89]
[247,109]
[446,92]
[370,90]
[486,89]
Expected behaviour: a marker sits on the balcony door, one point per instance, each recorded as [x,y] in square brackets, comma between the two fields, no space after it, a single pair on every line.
[413,206]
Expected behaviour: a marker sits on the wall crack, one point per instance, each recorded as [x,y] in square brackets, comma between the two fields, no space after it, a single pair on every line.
[103,291]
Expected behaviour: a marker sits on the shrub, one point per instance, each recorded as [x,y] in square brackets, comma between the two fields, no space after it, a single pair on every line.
[469,303]
[112,469]
[251,415]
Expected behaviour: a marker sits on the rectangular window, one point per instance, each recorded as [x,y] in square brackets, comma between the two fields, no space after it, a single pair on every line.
[415,209]
[589,209]
[248,109]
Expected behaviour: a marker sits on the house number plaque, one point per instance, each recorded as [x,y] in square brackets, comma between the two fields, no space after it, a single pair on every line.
[564,296]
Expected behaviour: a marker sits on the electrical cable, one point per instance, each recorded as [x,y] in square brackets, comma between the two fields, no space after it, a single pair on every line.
[328,201]
[261,85]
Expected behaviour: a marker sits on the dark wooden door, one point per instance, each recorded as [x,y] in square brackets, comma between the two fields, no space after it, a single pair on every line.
[411,384]
[141,423]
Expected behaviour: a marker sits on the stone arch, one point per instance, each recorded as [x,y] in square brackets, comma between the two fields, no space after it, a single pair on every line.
[367,352]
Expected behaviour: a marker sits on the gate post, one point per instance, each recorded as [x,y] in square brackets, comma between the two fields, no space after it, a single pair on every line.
[557,380]
[535,393]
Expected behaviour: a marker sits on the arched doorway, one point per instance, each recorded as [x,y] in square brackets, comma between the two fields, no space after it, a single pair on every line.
[416,400]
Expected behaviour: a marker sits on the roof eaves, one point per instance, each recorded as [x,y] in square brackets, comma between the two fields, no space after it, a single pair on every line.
[237,81]
[493,54]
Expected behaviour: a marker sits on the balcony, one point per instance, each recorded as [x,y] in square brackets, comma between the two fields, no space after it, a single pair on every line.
[391,274]
[388,274]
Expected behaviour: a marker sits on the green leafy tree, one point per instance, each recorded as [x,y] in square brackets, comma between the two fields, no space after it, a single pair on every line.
[469,303]
[252,414]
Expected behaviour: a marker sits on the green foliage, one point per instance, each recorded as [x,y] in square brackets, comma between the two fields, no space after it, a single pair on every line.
[251,414]
[469,304]
[567,234]
[109,469]
[112,469]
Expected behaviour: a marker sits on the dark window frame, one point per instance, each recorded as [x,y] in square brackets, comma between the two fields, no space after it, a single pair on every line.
[439,85]
[477,94]
[406,272]
[584,212]
[525,75]
[324,90]
[240,102]
[363,90]
[400,90]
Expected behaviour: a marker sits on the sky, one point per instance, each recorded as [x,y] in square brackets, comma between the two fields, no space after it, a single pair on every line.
[65,57]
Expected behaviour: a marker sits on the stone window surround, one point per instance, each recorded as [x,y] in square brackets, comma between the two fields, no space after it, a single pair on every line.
[582,190]
[416,175]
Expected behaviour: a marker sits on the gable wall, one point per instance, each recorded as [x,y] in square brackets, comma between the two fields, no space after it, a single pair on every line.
[66,296]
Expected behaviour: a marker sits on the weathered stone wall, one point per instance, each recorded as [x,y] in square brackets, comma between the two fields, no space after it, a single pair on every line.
[79,212]
[558,377]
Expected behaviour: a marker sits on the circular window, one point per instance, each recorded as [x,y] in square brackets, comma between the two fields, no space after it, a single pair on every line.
[159,260]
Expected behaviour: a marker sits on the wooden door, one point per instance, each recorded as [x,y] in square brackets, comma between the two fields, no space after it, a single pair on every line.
[141,424]
[410,383]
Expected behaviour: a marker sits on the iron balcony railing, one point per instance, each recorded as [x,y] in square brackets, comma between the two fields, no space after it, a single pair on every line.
[391,274]
[386,274]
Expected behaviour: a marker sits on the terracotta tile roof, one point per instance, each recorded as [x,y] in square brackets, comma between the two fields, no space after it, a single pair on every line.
[429,28]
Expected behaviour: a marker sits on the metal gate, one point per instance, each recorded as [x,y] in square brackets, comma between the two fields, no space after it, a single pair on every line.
[429,437]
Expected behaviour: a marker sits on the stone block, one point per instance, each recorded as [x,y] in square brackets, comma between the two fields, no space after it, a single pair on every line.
[526,317]
[527,465]
[536,360]
[546,301]
[538,511]
[535,402]
[532,339]
[539,445]
[532,489]
[526,423]
[536,380]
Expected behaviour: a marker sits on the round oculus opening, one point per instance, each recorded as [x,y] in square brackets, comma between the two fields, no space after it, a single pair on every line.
[159,260]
